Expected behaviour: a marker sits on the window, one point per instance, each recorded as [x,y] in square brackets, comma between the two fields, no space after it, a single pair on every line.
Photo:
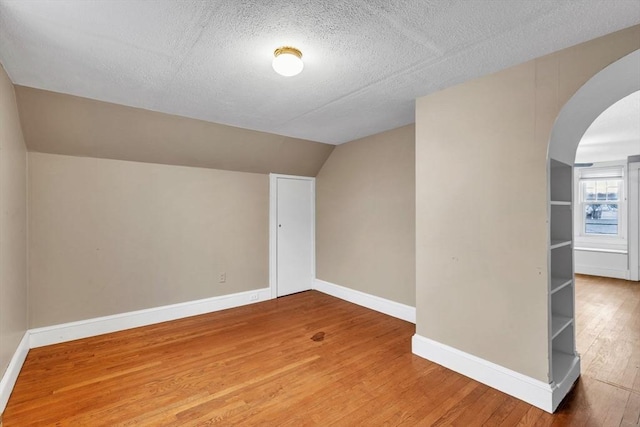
[602,202]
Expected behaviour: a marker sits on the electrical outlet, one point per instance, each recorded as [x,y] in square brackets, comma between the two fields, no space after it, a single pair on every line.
[254,297]
[222,277]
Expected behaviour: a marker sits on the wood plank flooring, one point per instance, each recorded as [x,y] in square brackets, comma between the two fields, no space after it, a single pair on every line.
[258,365]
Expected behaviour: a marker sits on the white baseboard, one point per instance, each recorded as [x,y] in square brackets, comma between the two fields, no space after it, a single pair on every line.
[118,322]
[602,272]
[391,308]
[562,388]
[11,374]
[535,392]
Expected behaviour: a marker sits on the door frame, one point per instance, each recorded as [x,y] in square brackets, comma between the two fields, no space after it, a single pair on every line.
[273,228]
[633,204]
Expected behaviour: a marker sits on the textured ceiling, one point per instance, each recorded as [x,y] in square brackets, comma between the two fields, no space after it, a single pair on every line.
[365,60]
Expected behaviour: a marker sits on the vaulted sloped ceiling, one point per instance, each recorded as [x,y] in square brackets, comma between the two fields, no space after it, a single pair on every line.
[64,124]
[365,60]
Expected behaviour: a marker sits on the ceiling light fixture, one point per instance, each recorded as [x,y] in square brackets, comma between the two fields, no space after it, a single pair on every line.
[287,61]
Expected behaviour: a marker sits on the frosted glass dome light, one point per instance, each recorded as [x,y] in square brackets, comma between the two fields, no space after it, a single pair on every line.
[287,61]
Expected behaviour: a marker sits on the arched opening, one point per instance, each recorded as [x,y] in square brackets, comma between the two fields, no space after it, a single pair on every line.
[610,85]
[613,83]
[605,201]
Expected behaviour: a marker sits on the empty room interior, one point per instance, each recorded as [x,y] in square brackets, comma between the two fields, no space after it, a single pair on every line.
[319,213]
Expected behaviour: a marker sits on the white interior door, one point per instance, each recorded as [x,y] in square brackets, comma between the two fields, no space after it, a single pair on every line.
[294,233]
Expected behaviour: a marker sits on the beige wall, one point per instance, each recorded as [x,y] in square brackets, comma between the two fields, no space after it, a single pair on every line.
[110,236]
[13,225]
[56,123]
[365,224]
[481,253]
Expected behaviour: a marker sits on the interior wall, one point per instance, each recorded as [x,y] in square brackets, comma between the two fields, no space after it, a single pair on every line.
[56,123]
[13,225]
[365,221]
[481,254]
[111,236]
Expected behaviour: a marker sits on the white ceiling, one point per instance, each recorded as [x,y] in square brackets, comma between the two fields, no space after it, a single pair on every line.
[620,122]
[614,135]
[365,60]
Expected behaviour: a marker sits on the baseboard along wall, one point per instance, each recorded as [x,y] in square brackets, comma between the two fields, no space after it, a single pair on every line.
[48,335]
[602,272]
[13,370]
[535,392]
[39,337]
[382,305]
[540,394]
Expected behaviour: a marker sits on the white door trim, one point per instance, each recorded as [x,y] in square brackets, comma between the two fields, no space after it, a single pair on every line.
[634,219]
[273,228]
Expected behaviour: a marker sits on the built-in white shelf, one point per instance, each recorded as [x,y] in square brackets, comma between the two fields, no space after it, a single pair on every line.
[564,360]
[562,302]
[560,223]
[562,363]
[558,283]
[558,324]
[559,243]
[561,179]
[561,259]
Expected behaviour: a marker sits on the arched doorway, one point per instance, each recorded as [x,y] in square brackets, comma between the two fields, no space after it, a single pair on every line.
[613,83]
[606,215]
[603,90]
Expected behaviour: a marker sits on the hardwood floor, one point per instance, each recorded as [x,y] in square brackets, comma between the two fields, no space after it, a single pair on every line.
[266,364]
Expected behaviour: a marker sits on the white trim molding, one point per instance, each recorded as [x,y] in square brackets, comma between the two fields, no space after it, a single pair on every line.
[273,234]
[601,271]
[119,322]
[391,308]
[13,370]
[535,392]
[634,220]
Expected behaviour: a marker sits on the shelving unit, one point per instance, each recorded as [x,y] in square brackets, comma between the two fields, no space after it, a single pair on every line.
[564,361]
[558,324]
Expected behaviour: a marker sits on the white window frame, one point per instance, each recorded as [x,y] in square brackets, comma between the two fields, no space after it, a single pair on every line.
[582,239]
